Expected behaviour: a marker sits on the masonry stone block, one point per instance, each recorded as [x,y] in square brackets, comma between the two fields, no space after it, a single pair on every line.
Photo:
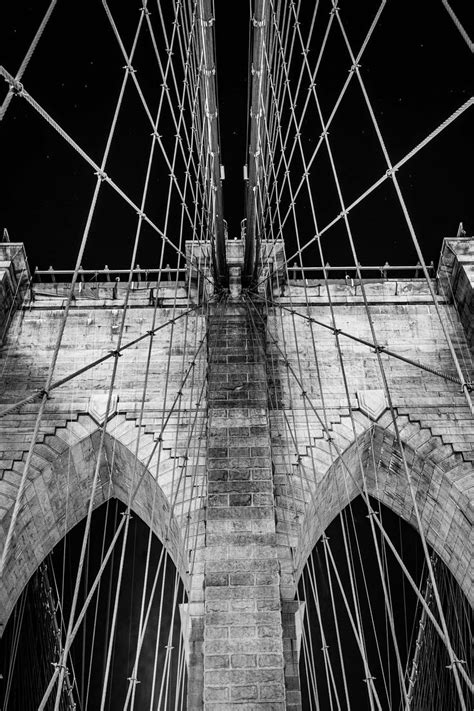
[241,505]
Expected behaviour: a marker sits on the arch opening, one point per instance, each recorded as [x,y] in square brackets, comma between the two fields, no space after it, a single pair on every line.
[32,641]
[347,640]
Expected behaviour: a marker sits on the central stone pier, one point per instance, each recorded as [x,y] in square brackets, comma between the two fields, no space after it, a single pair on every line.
[248,639]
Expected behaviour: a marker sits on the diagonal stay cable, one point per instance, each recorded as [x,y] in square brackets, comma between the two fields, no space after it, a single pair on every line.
[458,24]
[27,57]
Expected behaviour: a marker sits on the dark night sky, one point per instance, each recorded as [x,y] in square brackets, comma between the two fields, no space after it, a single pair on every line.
[417,69]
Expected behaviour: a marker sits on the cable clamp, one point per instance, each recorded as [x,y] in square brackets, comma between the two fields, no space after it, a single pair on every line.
[145,11]
[141,214]
[133,680]
[334,10]
[324,134]
[44,393]
[116,353]
[369,678]
[305,52]
[372,513]
[165,86]
[354,67]
[343,213]
[16,87]
[169,52]
[258,23]
[156,135]
[126,514]
[390,172]
[128,68]
[209,72]
[58,665]
[207,23]
[101,174]
[455,662]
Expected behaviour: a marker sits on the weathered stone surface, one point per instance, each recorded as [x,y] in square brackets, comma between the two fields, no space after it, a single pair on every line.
[255,459]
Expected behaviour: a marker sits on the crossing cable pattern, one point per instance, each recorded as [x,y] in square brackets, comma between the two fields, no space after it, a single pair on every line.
[275,225]
[278,43]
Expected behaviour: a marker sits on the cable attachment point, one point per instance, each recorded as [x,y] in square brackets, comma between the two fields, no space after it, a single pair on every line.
[145,11]
[128,68]
[354,68]
[101,174]
[324,134]
[207,23]
[116,353]
[455,662]
[16,87]
[258,23]
[156,135]
[391,172]
[334,10]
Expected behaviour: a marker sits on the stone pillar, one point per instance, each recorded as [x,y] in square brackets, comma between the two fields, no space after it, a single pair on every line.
[456,279]
[243,654]
[14,277]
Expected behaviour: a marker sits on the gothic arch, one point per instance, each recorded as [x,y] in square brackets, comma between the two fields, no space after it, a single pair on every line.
[439,477]
[57,496]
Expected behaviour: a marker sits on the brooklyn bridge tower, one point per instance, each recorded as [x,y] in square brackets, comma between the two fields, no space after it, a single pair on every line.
[239,476]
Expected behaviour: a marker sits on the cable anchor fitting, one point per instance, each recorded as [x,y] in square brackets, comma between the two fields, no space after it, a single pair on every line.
[16,87]
[101,174]
[116,353]
[128,68]
[391,172]
[354,68]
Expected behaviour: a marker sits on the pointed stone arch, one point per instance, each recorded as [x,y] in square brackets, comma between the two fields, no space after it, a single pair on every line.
[440,477]
[57,497]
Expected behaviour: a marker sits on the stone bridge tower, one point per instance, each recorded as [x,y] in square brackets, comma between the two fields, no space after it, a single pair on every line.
[242,482]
